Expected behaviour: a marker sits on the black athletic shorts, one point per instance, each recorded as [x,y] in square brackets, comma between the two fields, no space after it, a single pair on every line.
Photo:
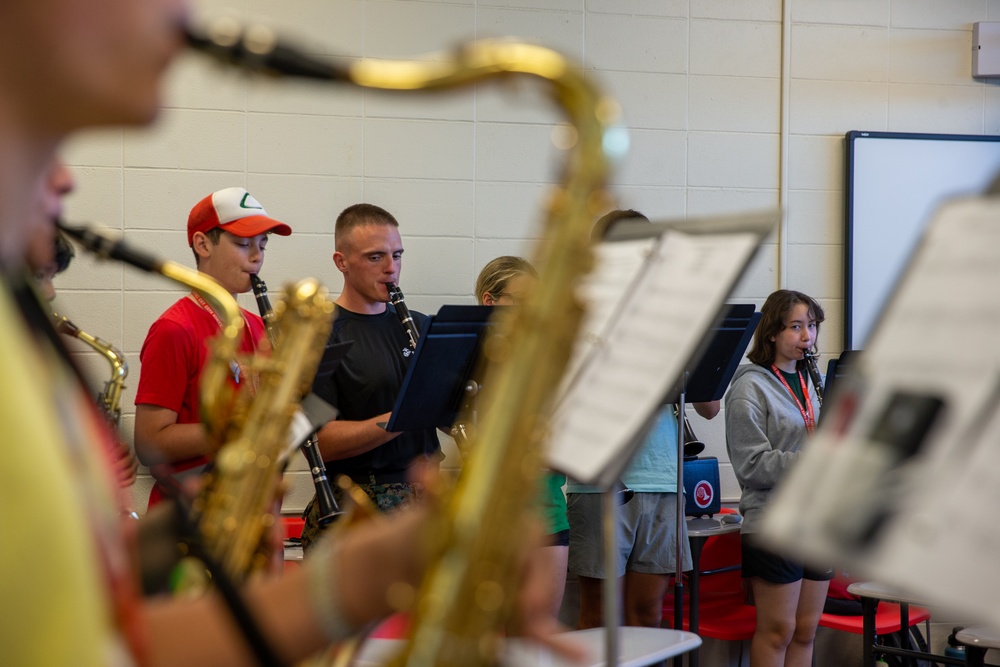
[774,569]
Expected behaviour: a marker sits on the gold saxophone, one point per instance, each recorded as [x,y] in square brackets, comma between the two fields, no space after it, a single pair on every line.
[109,400]
[233,509]
[469,591]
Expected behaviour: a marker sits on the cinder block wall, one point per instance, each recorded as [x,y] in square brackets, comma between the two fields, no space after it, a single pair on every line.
[701,83]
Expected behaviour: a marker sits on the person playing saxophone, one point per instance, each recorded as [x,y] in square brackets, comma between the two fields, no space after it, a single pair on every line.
[228,232]
[70,597]
[369,253]
[50,255]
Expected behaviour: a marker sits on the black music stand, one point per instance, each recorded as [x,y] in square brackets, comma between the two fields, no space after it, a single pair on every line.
[837,368]
[708,382]
[317,410]
[434,387]
[716,366]
[333,354]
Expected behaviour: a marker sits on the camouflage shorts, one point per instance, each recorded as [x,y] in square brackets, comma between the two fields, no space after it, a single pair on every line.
[385,497]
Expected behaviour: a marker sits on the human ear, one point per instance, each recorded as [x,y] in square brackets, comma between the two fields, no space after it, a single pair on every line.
[200,244]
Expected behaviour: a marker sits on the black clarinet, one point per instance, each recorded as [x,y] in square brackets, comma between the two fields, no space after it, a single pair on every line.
[328,508]
[811,357]
[409,326]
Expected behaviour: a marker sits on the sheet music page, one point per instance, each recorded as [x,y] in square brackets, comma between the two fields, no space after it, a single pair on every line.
[619,266]
[896,481]
[639,338]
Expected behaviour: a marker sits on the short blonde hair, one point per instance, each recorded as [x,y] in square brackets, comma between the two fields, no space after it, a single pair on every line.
[496,275]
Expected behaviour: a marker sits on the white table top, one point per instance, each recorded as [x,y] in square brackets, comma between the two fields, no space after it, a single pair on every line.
[869,589]
[705,527]
[979,635]
[637,647]
[293,551]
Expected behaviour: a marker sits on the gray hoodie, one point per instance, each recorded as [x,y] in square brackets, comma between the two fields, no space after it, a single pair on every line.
[764,431]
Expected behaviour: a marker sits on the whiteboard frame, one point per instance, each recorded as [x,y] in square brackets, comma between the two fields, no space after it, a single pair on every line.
[865,228]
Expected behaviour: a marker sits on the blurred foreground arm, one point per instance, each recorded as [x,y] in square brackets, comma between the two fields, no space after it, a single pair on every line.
[362,565]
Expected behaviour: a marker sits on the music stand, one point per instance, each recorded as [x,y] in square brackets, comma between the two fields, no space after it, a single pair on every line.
[717,364]
[333,355]
[659,288]
[837,368]
[708,382]
[435,383]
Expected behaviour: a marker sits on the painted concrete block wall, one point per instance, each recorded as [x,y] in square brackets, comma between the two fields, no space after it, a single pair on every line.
[700,83]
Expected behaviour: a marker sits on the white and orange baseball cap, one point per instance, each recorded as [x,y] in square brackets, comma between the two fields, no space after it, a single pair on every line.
[235,211]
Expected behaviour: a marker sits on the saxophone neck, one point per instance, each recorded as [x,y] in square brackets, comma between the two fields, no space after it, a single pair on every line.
[110,398]
[114,356]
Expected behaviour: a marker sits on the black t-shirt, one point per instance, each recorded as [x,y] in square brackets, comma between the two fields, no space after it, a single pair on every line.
[366,384]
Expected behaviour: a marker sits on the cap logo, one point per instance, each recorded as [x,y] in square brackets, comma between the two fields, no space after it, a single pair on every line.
[250,202]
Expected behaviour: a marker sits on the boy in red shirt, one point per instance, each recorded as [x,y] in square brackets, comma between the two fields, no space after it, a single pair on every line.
[228,232]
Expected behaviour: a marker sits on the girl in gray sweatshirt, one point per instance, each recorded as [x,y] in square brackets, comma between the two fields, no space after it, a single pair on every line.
[771,407]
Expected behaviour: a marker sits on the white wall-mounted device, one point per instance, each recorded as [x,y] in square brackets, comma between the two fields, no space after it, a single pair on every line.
[986,49]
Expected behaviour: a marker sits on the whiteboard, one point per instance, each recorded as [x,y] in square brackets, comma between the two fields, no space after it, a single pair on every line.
[895,181]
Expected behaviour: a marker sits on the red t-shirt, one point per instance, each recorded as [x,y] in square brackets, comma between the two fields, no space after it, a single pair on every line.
[172,356]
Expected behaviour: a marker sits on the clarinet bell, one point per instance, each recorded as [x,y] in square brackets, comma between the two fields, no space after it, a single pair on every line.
[693,448]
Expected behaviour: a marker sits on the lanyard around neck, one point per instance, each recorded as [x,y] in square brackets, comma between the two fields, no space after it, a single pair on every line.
[240,370]
[807,412]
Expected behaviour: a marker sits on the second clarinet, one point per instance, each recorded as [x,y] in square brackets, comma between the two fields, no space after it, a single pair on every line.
[409,326]
[328,507]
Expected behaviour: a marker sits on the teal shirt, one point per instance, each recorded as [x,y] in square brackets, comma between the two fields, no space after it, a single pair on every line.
[653,469]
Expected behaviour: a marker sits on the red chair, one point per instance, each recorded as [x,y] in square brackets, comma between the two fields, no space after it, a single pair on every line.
[722,609]
[293,526]
[887,621]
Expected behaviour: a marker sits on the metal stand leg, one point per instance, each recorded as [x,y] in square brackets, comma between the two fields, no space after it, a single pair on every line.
[610,583]
[868,606]
[904,629]
[679,567]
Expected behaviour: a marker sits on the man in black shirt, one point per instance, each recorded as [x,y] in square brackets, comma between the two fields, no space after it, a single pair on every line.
[369,254]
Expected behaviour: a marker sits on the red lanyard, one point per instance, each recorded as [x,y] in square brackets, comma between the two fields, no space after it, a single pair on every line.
[240,369]
[807,411]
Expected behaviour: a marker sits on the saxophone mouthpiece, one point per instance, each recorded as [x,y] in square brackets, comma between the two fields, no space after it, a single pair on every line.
[257,49]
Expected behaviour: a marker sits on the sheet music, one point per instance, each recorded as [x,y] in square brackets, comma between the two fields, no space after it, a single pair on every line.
[645,324]
[936,342]
[604,292]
